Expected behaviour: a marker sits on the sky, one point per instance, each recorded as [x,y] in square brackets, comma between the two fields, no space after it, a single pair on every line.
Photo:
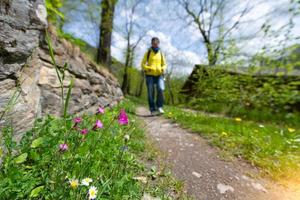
[181,41]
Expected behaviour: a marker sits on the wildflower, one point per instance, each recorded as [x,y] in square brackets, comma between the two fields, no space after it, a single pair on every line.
[63,147]
[93,192]
[261,126]
[74,183]
[77,120]
[224,133]
[100,110]
[238,119]
[126,137]
[291,130]
[123,118]
[86,181]
[84,131]
[98,124]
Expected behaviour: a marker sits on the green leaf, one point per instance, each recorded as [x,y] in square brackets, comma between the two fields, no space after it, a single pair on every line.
[35,192]
[37,142]
[21,158]
[49,42]
[64,70]
[68,98]
[83,150]
[34,155]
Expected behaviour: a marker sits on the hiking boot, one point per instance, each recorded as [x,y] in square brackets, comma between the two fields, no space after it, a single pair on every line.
[154,113]
[161,111]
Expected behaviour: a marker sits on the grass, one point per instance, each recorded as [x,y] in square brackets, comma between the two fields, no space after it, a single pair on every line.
[276,149]
[260,115]
[36,168]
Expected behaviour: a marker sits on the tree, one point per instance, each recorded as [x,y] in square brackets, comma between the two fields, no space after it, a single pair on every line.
[106,28]
[139,90]
[208,17]
[131,44]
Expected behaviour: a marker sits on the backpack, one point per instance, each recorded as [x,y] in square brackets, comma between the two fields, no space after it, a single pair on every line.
[148,55]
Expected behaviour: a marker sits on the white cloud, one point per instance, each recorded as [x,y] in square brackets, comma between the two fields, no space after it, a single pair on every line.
[126,13]
[181,43]
[118,46]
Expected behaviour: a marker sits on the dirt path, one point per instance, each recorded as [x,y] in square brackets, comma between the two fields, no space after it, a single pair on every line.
[205,174]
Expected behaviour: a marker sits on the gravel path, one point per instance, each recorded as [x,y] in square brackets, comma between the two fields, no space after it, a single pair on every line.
[205,174]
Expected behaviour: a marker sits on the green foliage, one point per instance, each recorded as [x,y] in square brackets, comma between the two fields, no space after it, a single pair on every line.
[52,7]
[40,169]
[76,41]
[275,149]
[235,94]
[173,86]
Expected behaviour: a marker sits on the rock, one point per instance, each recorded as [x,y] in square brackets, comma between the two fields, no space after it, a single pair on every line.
[259,187]
[50,103]
[22,23]
[48,77]
[41,13]
[197,174]
[19,34]
[224,188]
[149,197]
[24,58]
[95,78]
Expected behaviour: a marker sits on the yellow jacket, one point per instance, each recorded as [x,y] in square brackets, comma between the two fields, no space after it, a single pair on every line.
[156,64]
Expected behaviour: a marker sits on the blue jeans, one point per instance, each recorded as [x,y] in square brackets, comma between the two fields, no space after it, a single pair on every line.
[151,81]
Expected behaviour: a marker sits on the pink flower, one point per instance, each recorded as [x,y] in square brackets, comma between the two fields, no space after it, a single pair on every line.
[63,147]
[77,120]
[100,110]
[98,125]
[123,118]
[84,131]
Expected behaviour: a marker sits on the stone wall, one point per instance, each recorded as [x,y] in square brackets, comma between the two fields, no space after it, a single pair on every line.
[24,58]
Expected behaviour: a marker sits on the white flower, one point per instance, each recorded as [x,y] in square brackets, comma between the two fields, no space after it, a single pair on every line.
[86,181]
[261,126]
[93,192]
[73,183]
[126,137]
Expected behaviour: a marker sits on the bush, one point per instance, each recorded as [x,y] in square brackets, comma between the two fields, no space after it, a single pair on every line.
[217,90]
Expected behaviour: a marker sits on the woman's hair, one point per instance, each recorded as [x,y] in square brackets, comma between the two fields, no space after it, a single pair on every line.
[154,39]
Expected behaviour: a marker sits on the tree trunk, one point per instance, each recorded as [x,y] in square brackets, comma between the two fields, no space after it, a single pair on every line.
[106,28]
[126,80]
[140,89]
[211,54]
[129,75]
[168,82]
